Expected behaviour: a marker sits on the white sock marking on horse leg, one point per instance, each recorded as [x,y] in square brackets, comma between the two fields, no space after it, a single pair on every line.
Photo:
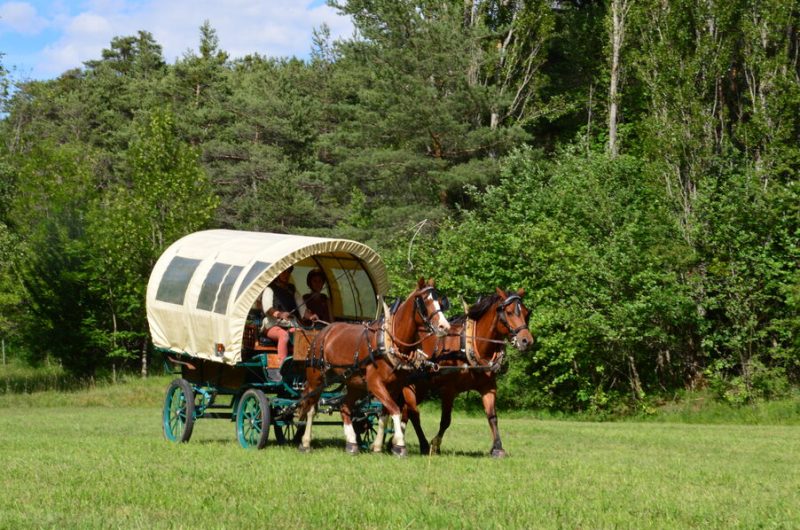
[380,433]
[309,420]
[398,439]
[349,433]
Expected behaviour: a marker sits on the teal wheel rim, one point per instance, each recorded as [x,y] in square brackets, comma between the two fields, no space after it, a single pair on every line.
[366,430]
[252,420]
[178,413]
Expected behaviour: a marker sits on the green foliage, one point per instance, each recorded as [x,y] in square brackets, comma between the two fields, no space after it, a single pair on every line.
[429,97]
[12,292]
[51,197]
[167,196]
[673,266]
[751,267]
[595,248]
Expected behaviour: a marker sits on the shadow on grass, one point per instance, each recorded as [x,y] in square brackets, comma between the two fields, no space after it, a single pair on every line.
[213,442]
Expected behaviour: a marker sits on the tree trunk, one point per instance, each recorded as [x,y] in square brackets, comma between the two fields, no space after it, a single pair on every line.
[619,9]
[144,358]
[636,382]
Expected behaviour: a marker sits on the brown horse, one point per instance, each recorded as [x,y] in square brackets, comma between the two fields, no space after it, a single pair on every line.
[469,358]
[374,357]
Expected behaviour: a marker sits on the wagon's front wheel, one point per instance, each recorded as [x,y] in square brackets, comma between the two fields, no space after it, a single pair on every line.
[252,419]
[178,416]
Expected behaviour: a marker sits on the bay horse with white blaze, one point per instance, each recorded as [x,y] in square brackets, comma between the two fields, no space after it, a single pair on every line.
[375,357]
[469,358]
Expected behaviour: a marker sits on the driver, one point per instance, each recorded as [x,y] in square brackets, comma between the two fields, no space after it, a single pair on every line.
[281,301]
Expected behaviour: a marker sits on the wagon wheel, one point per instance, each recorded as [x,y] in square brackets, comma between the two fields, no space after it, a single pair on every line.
[366,430]
[287,431]
[252,419]
[178,416]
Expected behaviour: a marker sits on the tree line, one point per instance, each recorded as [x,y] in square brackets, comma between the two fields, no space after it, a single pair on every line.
[632,165]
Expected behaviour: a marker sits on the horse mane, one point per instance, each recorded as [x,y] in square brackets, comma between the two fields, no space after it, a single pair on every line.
[480,307]
[457,320]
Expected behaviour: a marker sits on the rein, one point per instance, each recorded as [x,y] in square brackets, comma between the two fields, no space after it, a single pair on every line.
[469,340]
[401,343]
[416,358]
[384,346]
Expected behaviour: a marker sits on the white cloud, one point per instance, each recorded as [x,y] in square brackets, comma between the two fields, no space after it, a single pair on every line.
[84,37]
[21,17]
[275,28]
[88,24]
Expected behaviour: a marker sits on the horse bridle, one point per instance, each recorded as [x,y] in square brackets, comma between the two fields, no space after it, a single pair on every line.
[501,314]
[419,308]
[422,310]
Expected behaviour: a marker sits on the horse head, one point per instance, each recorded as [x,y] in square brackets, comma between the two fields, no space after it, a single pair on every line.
[430,308]
[513,316]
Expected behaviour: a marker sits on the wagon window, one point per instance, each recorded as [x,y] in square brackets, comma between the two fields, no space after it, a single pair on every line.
[172,288]
[254,272]
[221,305]
[208,293]
[216,289]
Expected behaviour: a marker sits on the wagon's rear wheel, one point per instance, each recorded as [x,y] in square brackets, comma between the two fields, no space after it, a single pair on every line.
[178,416]
[287,431]
[366,430]
[252,419]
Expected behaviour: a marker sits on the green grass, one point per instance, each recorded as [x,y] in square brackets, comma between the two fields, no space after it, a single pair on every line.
[130,391]
[97,459]
[18,377]
[701,407]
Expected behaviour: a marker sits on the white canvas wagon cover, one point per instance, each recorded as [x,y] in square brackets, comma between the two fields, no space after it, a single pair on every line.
[204,285]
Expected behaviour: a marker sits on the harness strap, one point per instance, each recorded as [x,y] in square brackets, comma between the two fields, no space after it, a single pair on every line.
[469,342]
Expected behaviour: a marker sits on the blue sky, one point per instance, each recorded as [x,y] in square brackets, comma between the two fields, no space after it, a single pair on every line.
[40,39]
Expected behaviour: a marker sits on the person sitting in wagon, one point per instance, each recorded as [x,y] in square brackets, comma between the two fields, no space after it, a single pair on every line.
[280,302]
[316,301]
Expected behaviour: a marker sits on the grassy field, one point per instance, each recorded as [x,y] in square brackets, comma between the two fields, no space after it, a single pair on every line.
[96,459]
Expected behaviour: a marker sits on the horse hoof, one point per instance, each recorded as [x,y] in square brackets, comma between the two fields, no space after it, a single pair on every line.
[400,451]
[498,453]
[351,449]
[435,450]
[303,449]
[425,449]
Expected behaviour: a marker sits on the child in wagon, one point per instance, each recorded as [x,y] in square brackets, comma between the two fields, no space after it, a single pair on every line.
[316,301]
